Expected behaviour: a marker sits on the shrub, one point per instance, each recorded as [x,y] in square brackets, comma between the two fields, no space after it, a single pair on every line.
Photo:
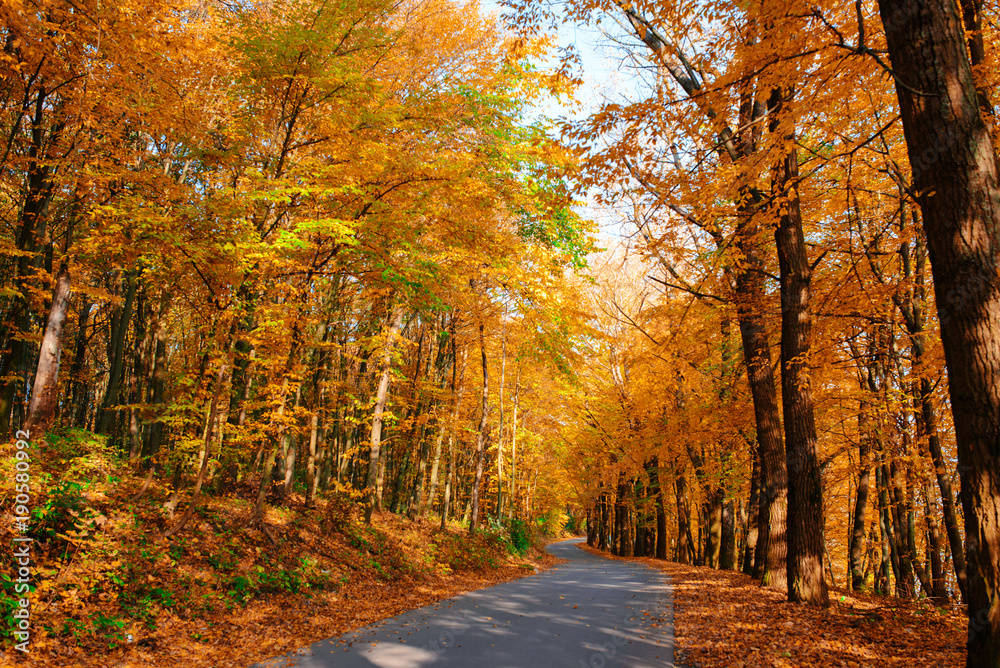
[460,552]
[521,538]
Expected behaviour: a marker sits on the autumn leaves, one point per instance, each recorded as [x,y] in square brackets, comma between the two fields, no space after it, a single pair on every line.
[800,171]
[265,238]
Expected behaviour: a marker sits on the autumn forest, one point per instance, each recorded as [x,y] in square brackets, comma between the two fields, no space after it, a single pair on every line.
[301,273]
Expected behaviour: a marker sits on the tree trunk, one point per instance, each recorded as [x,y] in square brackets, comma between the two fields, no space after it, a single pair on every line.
[749,295]
[142,364]
[503,378]
[683,520]
[513,445]
[955,175]
[449,482]
[890,544]
[857,547]
[623,512]
[713,536]
[316,455]
[432,484]
[267,472]
[452,426]
[935,546]
[656,488]
[481,437]
[116,357]
[40,185]
[772,548]
[914,317]
[604,535]
[313,457]
[750,526]
[442,427]
[905,586]
[417,491]
[375,439]
[727,551]
[46,386]
[290,450]
[154,435]
[806,583]
[78,386]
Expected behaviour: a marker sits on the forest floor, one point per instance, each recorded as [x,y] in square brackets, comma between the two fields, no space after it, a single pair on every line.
[724,619]
[112,593]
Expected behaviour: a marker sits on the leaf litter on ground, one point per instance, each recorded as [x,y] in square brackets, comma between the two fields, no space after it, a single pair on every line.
[725,619]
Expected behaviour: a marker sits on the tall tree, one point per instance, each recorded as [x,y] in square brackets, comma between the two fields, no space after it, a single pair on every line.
[955,181]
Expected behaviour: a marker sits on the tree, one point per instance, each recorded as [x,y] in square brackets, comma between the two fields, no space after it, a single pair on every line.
[954,172]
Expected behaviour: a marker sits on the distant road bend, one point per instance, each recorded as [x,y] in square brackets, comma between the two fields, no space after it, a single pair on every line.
[588,613]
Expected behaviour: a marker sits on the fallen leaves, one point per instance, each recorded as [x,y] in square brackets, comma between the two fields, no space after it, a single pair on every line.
[724,619]
[376,573]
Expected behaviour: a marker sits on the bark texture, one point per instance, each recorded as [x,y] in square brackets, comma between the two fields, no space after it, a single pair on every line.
[955,179]
[805,489]
[46,385]
[857,548]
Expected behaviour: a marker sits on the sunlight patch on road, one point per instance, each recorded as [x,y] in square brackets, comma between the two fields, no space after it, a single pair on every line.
[400,656]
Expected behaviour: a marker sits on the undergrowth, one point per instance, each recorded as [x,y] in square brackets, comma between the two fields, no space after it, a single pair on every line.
[103,577]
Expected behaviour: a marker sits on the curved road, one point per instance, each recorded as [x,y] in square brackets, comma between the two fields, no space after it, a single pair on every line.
[588,613]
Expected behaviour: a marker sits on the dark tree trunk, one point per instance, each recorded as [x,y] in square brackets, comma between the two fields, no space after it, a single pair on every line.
[441,425]
[417,489]
[316,454]
[750,527]
[888,533]
[78,387]
[806,583]
[915,320]
[713,536]
[661,511]
[683,520]
[106,415]
[935,547]
[955,174]
[950,513]
[40,184]
[157,387]
[623,523]
[604,522]
[905,586]
[449,484]
[591,526]
[972,18]
[142,351]
[727,552]
[771,547]
[857,548]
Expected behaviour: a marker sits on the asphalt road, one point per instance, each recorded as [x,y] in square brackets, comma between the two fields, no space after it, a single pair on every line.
[588,613]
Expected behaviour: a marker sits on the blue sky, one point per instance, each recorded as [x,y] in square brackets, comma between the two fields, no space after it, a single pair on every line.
[599,65]
[605,76]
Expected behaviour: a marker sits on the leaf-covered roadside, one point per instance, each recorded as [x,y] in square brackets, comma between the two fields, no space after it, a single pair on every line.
[724,619]
[112,592]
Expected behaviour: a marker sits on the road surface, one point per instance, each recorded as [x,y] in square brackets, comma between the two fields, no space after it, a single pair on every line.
[588,613]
